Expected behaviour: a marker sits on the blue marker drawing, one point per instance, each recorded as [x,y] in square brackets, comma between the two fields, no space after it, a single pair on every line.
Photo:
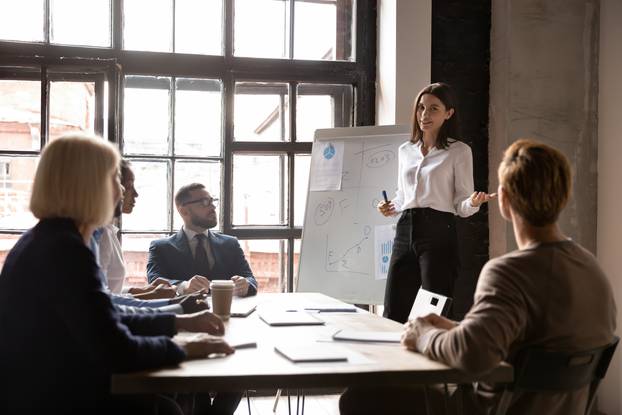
[384,236]
[329,151]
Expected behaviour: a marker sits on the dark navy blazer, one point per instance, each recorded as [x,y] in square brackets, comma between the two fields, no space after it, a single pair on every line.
[60,336]
[171,258]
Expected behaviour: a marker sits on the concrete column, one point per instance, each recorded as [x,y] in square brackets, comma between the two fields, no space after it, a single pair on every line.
[609,229]
[404,56]
[544,85]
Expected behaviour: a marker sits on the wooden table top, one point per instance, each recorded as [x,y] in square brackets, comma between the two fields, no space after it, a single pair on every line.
[262,367]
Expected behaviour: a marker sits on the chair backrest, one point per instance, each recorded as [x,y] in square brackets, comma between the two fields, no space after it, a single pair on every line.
[537,369]
[428,302]
[543,370]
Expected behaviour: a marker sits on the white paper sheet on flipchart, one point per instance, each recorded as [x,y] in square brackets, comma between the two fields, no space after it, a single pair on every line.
[327,165]
[383,247]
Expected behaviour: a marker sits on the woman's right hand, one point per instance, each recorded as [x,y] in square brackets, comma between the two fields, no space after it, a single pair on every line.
[386,208]
[201,345]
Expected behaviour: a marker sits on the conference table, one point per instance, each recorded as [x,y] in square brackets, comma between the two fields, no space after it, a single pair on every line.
[261,367]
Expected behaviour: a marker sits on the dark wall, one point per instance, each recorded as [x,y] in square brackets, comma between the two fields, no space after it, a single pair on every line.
[461,57]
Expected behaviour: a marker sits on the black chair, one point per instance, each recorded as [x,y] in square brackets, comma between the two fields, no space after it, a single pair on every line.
[542,370]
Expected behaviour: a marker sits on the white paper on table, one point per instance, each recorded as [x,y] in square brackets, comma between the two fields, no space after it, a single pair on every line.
[326,165]
[383,247]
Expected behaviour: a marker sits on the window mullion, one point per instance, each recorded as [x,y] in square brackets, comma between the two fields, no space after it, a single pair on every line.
[292,8]
[45,105]
[227,181]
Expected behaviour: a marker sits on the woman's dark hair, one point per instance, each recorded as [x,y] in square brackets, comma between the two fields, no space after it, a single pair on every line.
[126,168]
[451,127]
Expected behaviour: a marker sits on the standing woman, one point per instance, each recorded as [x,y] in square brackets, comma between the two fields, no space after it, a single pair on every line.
[435,183]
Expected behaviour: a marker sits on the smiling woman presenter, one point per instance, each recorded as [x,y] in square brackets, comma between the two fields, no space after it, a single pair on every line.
[435,183]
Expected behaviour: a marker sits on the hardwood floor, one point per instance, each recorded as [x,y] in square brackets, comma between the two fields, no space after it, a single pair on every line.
[314,405]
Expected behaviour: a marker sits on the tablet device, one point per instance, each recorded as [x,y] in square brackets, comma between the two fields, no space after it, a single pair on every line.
[242,309]
[312,353]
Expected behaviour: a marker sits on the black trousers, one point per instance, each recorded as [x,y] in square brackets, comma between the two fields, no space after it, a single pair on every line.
[425,254]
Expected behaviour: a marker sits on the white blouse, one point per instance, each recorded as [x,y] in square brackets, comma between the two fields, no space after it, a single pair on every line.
[441,180]
[111,258]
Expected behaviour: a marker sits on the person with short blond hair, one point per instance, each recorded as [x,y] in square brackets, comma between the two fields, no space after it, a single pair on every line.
[72,180]
[537,181]
[60,349]
[550,293]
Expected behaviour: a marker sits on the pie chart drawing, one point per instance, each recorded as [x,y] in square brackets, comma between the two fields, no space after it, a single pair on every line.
[329,151]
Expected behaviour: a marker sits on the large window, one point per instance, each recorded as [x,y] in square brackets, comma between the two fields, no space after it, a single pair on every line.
[223,92]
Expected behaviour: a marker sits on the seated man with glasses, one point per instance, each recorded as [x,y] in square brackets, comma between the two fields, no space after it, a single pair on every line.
[194,256]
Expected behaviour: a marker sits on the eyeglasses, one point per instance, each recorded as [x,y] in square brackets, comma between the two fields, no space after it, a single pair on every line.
[204,201]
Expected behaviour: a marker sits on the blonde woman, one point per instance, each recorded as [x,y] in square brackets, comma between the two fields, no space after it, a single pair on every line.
[59,348]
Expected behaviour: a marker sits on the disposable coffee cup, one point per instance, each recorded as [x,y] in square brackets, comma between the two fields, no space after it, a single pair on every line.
[222,293]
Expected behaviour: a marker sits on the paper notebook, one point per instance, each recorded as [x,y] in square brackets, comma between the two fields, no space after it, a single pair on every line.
[289,318]
[368,336]
[327,308]
[312,353]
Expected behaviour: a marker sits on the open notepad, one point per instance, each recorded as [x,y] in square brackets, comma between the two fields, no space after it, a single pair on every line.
[312,353]
[289,318]
[368,336]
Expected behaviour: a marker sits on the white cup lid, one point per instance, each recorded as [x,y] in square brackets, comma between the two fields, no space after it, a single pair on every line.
[222,284]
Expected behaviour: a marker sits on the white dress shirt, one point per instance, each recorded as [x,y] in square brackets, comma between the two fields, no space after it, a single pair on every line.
[192,241]
[441,180]
[111,258]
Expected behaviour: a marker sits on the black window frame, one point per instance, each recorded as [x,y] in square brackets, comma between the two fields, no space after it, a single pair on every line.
[116,63]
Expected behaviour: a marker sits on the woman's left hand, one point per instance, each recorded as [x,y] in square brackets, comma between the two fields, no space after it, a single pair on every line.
[479,198]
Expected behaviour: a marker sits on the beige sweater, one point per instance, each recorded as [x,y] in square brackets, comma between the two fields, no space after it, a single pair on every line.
[550,295]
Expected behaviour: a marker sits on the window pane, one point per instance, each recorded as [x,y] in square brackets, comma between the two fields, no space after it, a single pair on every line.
[302,164]
[80,22]
[146,119]
[6,244]
[206,173]
[152,205]
[148,25]
[261,112]
[261,28]
[22,20]
[322,106]
[268,261]
[198,26]
[135,255]
[334,41]
[16,176]
[72,108]
[259,184]
[198,115]
[20,115]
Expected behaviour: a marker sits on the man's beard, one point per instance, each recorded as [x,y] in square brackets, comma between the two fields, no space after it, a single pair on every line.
[206,223]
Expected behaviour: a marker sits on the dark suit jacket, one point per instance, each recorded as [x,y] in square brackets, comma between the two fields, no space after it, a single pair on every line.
[171,258]
[61,338]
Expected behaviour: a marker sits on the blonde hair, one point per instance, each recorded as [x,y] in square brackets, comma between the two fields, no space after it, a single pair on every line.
[537,179]
[73,180]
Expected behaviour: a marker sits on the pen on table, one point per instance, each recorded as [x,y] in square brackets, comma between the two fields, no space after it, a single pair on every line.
[384,194]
